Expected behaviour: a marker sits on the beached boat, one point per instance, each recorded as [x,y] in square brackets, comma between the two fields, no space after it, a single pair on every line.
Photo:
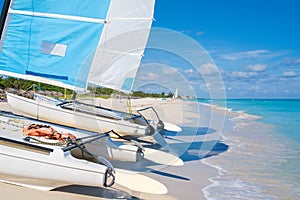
[59,168]
[20,157]
[80,115]
[47,165]
[103,146]
[35,161]
[101,43]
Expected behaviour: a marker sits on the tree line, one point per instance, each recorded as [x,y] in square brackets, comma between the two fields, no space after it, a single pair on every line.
[21,84]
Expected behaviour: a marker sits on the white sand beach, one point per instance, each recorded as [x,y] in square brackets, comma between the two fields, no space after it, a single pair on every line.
[184,182]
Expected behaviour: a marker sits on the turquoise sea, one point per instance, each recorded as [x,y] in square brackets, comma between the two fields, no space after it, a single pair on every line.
[263,159]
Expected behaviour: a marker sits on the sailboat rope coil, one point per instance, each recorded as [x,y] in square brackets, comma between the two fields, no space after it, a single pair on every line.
[47,132]
[28,138]
[37,141]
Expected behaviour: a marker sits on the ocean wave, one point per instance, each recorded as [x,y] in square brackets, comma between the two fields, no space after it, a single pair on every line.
[233,189]
[224,108]
[242,117]
[221,171]
[217,107]
[235,116]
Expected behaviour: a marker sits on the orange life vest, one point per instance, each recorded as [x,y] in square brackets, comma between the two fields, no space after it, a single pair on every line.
[46,131]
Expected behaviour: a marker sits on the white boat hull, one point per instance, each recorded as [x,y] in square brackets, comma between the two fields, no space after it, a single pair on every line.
[56,114]
[110,150]
[104,147]
[172,127]
[26,161]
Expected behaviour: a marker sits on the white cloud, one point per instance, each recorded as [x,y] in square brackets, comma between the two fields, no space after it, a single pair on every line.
[199,33]
[208,69]
[257,67]
[240,74]
[169,71]
[204,86]
[255,54]
[291,61]
[148,77]
[189,71]
[279,53]
[256,88]
[244,54]
[289,74]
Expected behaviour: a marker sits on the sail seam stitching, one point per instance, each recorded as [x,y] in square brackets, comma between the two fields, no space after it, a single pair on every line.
[58,16]
[117,19]
[119,52]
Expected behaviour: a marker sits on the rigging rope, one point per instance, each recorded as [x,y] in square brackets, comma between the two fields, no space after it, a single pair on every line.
[37,141]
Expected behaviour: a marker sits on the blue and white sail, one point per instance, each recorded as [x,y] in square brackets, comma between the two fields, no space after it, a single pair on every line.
[73,43]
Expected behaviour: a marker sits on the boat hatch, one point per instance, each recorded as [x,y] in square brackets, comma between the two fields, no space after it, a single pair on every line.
[25,146]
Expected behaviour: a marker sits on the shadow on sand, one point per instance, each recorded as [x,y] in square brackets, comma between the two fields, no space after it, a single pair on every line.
[189,145]
[195,152]
[107,193]
[196,147]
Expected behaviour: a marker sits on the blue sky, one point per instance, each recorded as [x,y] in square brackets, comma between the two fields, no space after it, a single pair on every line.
[254,43]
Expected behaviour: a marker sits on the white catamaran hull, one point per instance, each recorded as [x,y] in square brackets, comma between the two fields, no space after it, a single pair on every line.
[56,114]
[105,147]
[53,164]
[58,168]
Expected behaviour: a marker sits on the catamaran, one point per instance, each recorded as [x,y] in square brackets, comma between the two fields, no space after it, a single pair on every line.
[102,146]
[29,161]
[24,159]
[99,43]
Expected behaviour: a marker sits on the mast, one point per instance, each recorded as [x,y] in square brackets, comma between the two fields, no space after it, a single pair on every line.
[4,15]
[74,95]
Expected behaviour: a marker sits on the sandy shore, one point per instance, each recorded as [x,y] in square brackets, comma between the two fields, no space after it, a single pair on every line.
[194,142]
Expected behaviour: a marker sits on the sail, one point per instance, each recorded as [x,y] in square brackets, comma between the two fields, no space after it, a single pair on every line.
[51,40]
[175,95]
[59,42]
[122,44]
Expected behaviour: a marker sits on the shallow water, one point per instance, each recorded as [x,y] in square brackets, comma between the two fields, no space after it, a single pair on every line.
[264,152]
